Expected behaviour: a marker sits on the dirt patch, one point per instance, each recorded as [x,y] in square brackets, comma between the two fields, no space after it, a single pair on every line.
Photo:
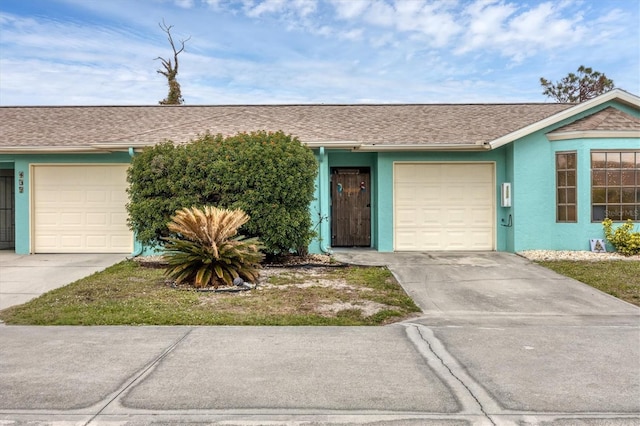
[366,307]
[312,284]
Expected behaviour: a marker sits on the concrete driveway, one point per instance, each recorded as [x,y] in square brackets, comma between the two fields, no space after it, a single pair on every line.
[24,277]
[501,342]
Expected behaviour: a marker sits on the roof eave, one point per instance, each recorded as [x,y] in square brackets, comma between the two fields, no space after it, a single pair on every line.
[352,145]
[617,94]
[593,134]
[54,150]
[423,147]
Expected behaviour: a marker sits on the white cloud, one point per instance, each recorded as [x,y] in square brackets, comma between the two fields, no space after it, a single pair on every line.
[380,13]
[518,33]
[434,20]
[486,20]
[350,9]
[301,8]
[185,4]
[265,7]
[354,34]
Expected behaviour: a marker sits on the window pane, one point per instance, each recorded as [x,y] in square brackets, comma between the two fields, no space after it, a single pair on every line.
[597,160]
[613,195]
[628,160]
[562,196]
[628,195]
[598,213]
[613,212]
[628,177]
[561,161]
[613,177]
[598,195]
[571,178]
[562,215]
[599,178]
[571,161]
[613,160]
[571,213]
[571,195]
[630,212]
[562,178]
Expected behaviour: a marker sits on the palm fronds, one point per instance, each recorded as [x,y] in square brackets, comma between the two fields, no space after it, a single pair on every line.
[208,250]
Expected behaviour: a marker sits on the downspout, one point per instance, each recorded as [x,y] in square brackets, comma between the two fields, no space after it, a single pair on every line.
[321,178]
[138,248]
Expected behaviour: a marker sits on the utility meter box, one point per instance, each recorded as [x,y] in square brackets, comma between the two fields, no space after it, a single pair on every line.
[505,194]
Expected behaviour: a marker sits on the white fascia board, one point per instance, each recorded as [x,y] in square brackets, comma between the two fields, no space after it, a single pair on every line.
[332,144]
[593,134]
[419,147]
[617,94]
[49,150]
[120,145]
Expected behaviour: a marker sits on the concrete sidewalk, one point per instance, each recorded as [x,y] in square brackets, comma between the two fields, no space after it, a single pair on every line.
[511,357]
[24,277]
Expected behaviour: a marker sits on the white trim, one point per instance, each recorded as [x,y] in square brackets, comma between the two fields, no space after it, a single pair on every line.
[52,150]
[592,134]
[617,94]
[333,144]
[420,147]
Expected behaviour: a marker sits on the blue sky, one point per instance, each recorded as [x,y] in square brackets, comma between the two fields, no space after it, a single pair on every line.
[101,52]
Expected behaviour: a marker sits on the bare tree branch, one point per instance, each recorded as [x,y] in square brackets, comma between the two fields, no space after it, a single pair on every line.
[174,97]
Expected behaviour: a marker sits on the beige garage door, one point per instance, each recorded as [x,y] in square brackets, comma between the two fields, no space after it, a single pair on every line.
[80,209]
[444,206]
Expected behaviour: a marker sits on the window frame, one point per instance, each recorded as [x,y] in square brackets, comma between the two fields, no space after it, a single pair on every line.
[567,204]
[621,174]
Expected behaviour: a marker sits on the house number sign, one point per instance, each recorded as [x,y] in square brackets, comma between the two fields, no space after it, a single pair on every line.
[20,182]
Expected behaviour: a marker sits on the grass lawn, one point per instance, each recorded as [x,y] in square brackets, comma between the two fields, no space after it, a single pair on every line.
[128,294]
[619,278]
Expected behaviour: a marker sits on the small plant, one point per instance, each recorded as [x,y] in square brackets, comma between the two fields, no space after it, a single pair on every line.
[207,251]
[622,238]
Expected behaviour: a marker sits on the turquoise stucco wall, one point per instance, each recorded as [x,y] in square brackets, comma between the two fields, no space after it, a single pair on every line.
[534,194]
[385,188]
[381,165]
[22,163]
[321,206]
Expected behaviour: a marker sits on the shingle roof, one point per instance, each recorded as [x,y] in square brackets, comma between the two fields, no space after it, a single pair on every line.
[608,119]
[427,124]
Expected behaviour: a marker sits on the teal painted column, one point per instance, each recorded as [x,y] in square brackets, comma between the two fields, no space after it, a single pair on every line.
[320,206]
[22,201]
[384,221]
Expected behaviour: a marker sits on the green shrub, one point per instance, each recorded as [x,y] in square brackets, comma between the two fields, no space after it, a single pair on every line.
[625,241]
[270,176]
[207,250]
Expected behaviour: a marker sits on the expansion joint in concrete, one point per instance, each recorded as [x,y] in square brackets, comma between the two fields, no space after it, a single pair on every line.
[138,375]
[470,394]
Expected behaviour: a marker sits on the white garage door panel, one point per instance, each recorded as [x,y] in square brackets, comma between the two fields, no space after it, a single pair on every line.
[80,209]
[444,206]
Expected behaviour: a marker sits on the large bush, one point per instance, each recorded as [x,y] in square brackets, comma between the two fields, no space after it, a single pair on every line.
[270,176]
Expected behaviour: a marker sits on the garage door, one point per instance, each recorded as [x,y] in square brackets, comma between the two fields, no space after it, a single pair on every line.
[80,209]
[444,206]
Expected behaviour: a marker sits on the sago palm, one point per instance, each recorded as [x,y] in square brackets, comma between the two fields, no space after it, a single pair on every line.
[207,249]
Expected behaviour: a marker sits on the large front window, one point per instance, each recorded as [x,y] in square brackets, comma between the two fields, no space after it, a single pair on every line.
[615,185]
